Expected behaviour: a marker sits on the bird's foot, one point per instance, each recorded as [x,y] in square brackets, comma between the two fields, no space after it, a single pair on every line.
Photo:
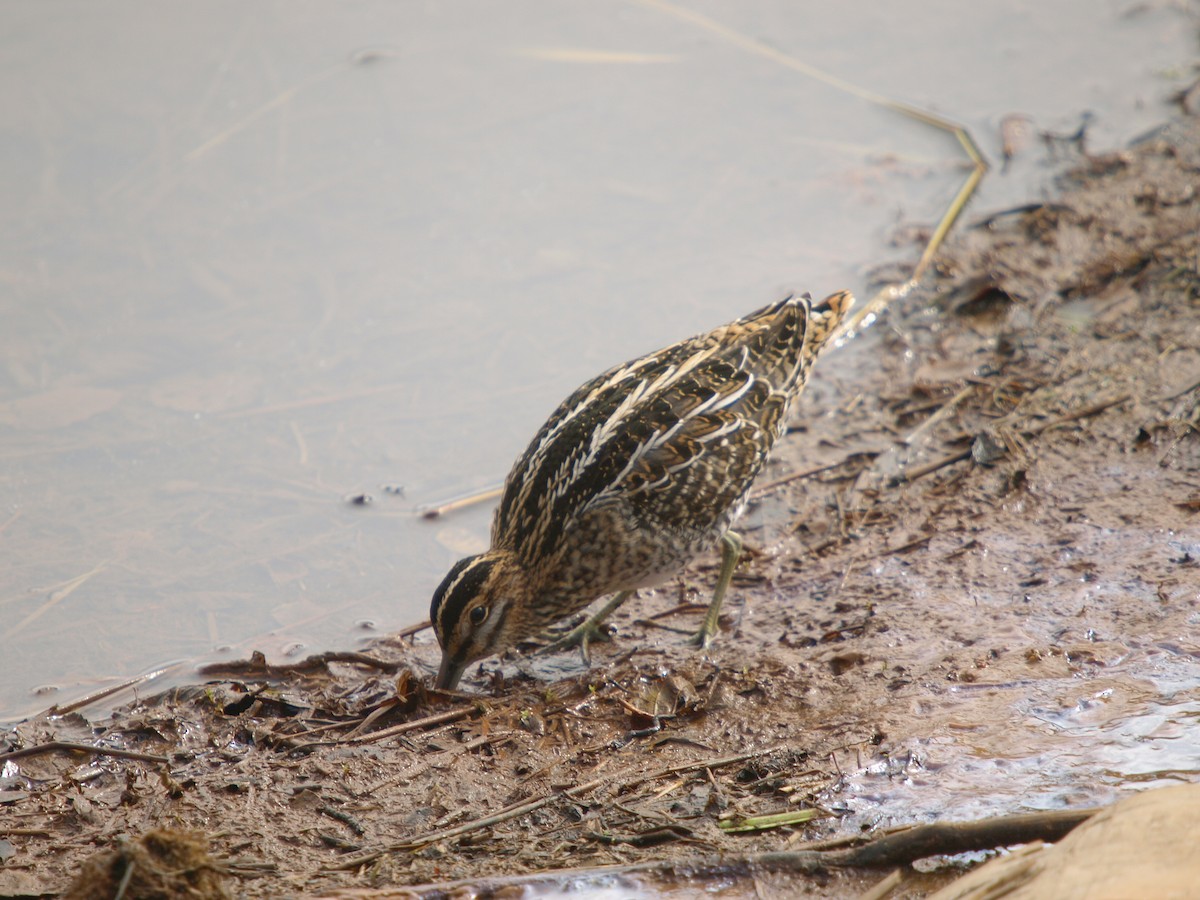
[703,638]
[580,636]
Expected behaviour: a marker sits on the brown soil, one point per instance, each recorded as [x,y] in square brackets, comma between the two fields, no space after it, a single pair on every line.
[989,587]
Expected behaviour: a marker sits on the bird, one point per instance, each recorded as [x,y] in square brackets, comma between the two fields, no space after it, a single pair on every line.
[637,473]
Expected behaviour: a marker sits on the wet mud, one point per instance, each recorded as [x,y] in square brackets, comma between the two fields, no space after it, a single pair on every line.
[972,589]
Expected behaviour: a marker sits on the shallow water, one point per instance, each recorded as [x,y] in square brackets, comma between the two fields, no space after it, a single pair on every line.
[259,261]
[1124,714]
[1128,739]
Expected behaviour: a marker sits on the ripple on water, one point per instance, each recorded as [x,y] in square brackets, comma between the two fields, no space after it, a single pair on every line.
[1086,752]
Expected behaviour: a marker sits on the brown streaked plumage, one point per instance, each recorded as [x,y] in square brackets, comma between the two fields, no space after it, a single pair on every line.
[638,472]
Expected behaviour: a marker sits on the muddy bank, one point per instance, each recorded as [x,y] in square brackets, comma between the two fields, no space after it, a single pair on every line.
[982,598]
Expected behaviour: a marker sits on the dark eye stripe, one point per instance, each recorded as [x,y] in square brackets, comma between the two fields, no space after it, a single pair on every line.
[461,584]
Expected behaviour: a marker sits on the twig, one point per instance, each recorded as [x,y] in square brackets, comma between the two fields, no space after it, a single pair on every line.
[436,512]
[344,817]
[57,596]
[921,471]
[948,838]
[737,825]
[898,848]
[716,763]
[1083,412]
[438,760]
[130,865]
[838,842]
[310,402]
[452,715]
[396,703]
[11,519]
[280,100]
[882,888]
[941,414]
[413,629]
[671,786]
[797,476]
[908,545]
[53,746]
[360,659]
[532,805]
[57,710]
[258,665]
[1169,397]
[290,739]
[504,815]
[661,834]
[353,739]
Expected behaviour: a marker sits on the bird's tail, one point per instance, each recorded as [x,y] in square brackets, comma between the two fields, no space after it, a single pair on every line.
[821,321]
[825,317]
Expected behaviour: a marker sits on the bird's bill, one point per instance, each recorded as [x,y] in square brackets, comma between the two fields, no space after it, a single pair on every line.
[449,673]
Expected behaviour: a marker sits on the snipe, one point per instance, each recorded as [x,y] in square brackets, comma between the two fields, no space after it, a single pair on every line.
[637,473]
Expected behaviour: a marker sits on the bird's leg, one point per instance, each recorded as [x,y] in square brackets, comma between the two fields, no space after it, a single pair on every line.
[588,631]
[731,552]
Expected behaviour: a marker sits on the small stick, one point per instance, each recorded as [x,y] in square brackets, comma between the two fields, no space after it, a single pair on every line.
[941,414]
[257,665]
[922,471]
[438,759]
[55,598]
[795,476]
[833,759]
[452,715]
[11,519]
[671,786]
[360,659]
[108,692]
[317,729]
[716,763]
[413,629]
[52,746]
[504,815]
[885,887]
[344,817]
[436,512]
[1083,412]
[685,606]
[130,865]
[910,545]
[1175,396]
[949,838]
[895,849]
[838,843]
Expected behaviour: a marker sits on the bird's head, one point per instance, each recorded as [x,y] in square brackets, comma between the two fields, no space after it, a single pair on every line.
[476,612]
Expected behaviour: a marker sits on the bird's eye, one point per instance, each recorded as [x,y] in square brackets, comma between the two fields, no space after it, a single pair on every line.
[478,614]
